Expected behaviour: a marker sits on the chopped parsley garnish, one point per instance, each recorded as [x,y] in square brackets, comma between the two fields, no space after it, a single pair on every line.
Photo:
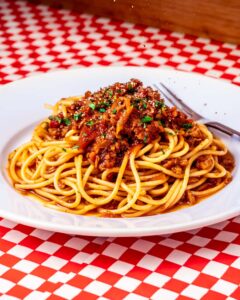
[104,135]
[107,104]
[187,126]
[66,121]
[114,111]
[139,103]
[146,119]
[130,88]
[110,93]
[55,118]
[102,110]
[90,123]
[171,133]
[76,117]
[145,139]
[163,152]
[160,104]
[92,106]
[162,123]
[135,104]
[64,149]
[75,147]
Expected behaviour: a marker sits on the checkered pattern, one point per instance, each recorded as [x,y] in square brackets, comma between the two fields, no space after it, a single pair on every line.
[37,264]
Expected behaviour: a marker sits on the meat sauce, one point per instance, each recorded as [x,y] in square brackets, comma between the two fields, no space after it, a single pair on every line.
[111,121]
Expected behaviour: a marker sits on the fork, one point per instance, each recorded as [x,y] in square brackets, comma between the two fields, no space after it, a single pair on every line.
[176,101]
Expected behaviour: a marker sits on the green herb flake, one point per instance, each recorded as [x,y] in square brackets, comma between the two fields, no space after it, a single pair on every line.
[64,149]
[130,88]
[58,119]
[187,126]
[114,111]
[106,104]
[92,106]
[160,104]
[104,135]
[76,117]
[144,105]
[55,118]
[146,119]
[162,150]
[162,123]
[90,123]
[145,139]
[67,121]
[170,133]
[135,104]
[102,110]
[110,93]
[75,147]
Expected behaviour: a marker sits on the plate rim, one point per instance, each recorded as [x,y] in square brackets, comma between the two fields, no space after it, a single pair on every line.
[80,68]
[113,232]
[118,232]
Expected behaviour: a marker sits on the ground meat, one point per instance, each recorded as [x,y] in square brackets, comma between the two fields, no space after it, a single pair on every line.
[194,136]
[188,198]
[204,162]
[227,161]
[183,162]
[210,183]
[58,133]
[191,199]
[169,163]
[177,170]
[175,164]
[111,121]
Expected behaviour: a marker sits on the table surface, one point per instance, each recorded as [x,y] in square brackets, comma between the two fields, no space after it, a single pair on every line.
[37,264]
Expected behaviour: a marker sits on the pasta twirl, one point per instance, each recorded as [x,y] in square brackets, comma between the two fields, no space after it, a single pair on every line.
[120,152]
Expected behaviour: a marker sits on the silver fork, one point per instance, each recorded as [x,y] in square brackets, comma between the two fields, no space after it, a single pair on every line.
[176,101]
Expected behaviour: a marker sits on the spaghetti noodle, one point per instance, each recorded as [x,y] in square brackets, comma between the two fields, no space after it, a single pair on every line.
[120,152]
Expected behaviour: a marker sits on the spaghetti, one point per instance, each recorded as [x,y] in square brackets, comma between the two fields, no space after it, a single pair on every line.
[120,152]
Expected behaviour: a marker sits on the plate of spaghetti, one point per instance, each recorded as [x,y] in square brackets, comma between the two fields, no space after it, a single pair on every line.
[112,158]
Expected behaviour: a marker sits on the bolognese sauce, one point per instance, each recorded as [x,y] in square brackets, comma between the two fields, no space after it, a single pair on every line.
[114,119]
[120,151]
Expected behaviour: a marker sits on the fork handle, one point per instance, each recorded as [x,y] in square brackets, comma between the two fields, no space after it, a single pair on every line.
[221,127]
[179,103]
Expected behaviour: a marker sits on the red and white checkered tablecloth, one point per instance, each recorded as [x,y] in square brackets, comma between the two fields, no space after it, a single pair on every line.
[37,264]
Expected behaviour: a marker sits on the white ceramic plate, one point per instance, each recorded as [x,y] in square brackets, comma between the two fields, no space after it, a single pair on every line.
[22,107]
